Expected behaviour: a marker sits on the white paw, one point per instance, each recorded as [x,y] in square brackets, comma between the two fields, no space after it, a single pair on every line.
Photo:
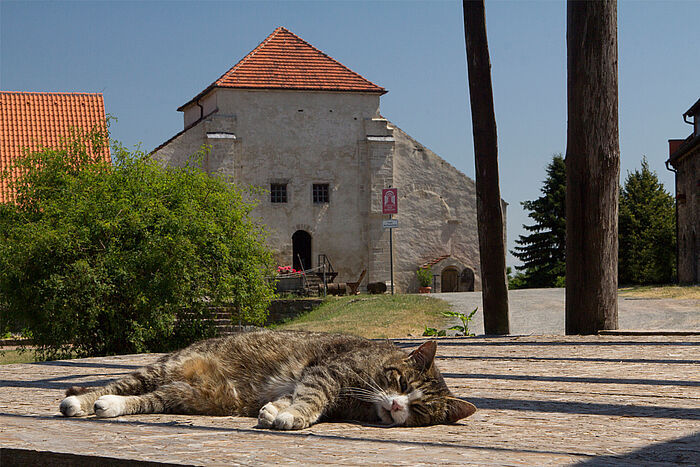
[70,407]
[267,414]
[110,406]
[290,420]
[285,421]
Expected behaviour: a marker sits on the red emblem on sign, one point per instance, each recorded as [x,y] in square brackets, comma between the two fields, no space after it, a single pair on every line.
[390,201]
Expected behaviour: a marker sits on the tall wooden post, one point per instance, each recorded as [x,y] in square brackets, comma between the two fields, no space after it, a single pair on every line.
[592,167]
[492,251]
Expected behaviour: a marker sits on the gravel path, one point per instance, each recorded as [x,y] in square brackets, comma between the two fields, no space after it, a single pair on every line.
[541,311]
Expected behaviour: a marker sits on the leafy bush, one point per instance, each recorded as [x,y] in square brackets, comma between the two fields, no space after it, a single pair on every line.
[425,276]
[99,259]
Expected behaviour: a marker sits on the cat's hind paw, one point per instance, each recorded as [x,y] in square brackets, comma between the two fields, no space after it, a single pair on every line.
[110,406]
[267,414]
[70,407]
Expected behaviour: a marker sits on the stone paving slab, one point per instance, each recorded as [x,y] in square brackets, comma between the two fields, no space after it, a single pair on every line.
[545,400]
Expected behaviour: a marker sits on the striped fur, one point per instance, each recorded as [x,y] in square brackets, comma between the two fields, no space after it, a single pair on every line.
[289,380]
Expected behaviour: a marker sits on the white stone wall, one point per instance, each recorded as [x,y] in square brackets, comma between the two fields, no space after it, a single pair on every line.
[437,214]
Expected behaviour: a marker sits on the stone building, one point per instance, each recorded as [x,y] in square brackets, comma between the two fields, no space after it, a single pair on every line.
[294,121]
[684,156]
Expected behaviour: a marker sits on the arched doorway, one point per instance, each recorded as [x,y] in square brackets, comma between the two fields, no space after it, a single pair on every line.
[301,250]
[449,280]
[467,279]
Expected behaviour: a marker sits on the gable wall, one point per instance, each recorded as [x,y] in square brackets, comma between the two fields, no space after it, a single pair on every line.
[437,214]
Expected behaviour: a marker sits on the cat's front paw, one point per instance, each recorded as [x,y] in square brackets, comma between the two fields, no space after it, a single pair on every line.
[110,406]
[70,407]
[289,420]
[267,414]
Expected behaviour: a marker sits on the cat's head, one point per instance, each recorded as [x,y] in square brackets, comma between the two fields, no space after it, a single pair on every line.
[412,392]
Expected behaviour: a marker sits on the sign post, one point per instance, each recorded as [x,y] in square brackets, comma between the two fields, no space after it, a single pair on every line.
[390,206]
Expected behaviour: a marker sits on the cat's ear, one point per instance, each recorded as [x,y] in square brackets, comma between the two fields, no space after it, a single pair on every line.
[458,409]
[423,356]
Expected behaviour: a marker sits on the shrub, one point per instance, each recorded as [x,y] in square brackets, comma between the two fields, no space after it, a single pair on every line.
[425,276]
[99,259]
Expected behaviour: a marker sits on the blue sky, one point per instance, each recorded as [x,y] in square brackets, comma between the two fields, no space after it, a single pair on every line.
[150,57]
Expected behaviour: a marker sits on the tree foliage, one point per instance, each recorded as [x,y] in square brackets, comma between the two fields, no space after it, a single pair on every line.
[99,259]
[647,252]
[543,250]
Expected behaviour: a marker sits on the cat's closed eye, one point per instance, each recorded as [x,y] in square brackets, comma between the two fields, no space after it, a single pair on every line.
[403,384]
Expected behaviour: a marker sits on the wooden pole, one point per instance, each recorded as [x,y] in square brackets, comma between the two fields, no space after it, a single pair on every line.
[492,250]
[592,167]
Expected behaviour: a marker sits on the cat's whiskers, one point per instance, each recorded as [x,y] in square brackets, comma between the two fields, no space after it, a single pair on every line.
[366,395]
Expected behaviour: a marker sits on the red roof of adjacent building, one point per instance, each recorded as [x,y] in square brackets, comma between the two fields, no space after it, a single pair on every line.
[286,61]
[35,119]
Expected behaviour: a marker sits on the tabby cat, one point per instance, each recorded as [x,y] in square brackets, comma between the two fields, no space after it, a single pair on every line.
[289,380]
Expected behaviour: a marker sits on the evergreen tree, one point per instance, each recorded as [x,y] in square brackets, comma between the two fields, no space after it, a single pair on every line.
[647,253]
[543,251]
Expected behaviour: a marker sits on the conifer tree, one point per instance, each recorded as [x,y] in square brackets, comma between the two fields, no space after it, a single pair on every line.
[646,230]
[543,251]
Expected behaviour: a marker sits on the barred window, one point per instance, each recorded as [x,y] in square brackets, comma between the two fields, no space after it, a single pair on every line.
[320,193]
[278,192]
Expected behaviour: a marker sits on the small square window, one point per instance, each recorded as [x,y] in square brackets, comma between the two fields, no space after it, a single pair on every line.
[320,193]
[278,192]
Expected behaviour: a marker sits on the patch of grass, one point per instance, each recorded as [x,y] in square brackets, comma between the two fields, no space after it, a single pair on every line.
[661,291]
[16,356]
[373,316]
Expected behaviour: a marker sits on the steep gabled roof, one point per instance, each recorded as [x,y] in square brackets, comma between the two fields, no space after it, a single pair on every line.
[286,61]
[34,119]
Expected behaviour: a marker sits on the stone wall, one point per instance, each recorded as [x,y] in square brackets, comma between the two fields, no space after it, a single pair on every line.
[688,201]
[437,213]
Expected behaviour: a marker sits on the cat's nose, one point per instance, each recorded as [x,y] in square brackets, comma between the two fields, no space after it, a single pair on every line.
[395,406]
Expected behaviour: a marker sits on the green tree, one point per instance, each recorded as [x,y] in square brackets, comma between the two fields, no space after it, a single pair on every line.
[99,259]
[543,251]
[647,230]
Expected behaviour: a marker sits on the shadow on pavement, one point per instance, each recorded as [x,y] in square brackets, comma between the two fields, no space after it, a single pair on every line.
[679,451]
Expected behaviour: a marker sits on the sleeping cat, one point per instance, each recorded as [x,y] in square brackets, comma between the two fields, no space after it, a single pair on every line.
[289,380]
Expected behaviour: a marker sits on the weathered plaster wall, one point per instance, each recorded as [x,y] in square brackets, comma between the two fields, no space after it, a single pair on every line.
[437,213]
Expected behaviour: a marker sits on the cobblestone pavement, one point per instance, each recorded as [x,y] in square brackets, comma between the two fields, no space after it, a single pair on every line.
[541,311]
[545,400]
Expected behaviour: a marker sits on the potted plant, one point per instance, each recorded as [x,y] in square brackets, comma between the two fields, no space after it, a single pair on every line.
[425,277]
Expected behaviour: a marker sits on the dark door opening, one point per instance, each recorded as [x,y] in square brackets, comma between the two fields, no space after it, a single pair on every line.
[467,280]
[449,280]
[301,250]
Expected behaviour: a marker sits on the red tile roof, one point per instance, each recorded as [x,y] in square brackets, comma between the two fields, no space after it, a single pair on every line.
[286,61]
[433,261]
[34,119]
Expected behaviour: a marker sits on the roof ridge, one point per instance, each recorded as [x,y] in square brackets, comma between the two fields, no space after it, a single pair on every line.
[326,55]
[248,55]
[286,61]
